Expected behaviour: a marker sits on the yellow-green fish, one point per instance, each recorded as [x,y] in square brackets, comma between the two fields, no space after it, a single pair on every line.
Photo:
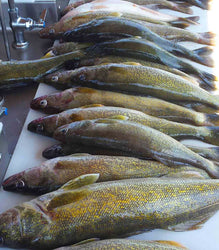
[119,133]
[77,97]
[48,124]
[124,244]
[81,210]
[52,174]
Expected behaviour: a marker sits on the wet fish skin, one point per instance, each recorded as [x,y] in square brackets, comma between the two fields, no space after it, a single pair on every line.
[162,3]
[134,79]
[77,97]
[104,28]
[47,125]
[62,218]
[145,50]
[52,174]
[57,150]
[130,136]
[88,12]
[123,244]
[27,70]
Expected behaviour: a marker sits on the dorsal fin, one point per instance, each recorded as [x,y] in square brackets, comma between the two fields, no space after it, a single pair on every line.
[80,181]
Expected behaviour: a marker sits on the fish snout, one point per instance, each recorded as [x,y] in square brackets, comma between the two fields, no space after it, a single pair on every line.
[14,183]
[53,152]
[39,103]
[36,126]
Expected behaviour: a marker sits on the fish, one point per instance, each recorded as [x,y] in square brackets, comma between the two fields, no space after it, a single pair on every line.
[95,9]
[67,47]
[178,34]
[162,3]
[57,150]
[82,209]
[145,50]
[204,4]
[211,153]
[134,79]
[48,124]
[123,244]
[107,28]
[120,133]
[52,174]
[15,73]
[79,96]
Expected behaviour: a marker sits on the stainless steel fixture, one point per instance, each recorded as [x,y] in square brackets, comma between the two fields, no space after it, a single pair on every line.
[20,24]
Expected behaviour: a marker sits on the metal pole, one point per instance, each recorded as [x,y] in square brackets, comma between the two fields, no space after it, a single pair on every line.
[4,32]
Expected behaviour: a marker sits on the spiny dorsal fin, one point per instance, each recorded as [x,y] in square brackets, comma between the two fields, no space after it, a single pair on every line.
[79,154]
[132,63]
[80,181]
[112,119]
[91,106]
[86,241]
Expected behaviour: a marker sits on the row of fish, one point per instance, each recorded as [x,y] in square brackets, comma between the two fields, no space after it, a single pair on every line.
[136,100]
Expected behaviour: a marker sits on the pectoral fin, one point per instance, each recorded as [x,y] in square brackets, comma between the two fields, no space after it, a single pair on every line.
[112,119]
[66,198]
[91,106]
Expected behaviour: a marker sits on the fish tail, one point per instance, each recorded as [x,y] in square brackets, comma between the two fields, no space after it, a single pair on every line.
[207,80]
[184,8]
[212,135]
[207,38]
[204,51]
[204,4]
[184,22]
[201,55]
[212,119]
[211,153]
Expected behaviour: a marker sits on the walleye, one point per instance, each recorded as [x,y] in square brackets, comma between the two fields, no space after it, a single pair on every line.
[124,244]
[146,50]
[129,136]
[52,174]
[14,71]
[162,3]
[81,210]
[107,28]
[211,153]
[95,9]
[77,97]
[135,79]
[47,125]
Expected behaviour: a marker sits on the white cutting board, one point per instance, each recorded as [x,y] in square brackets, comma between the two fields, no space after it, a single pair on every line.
[28,151]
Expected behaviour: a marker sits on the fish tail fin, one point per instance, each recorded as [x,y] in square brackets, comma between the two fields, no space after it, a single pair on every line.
[204,4]
[182,22]
[184,8]
[207,38]
[204,51]
[211,153]
[207,80]
[212,119]
[213,135]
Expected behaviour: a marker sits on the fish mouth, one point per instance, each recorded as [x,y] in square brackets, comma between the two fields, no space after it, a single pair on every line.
[14,183]
[37,127]
[53,152]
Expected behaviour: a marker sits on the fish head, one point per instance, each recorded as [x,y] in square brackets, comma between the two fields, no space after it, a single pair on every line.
[73,130]
[43,125]
[54,151]
[46,103]
[47,32]
[15,182]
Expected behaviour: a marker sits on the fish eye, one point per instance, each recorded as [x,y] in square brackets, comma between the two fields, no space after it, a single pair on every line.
[20,184]
[39,128]
[43,103]
[54,78]
[64,130]
[51,31]
[82,77]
